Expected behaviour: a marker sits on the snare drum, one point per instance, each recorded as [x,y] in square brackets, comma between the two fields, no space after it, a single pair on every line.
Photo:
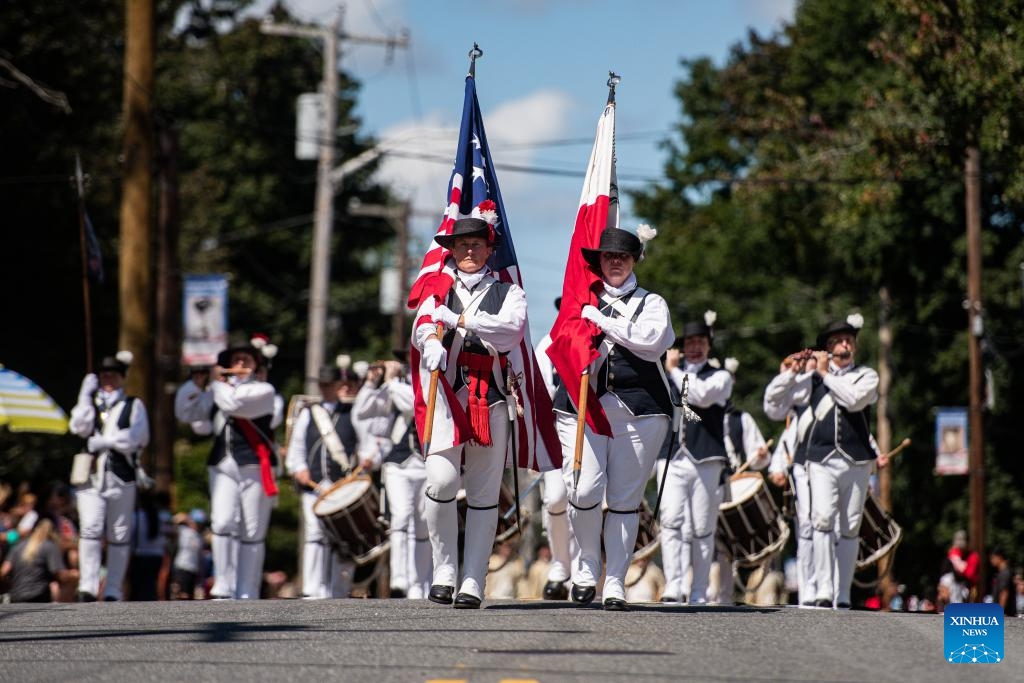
[750,524]
[879,534]
[648,539]
[506,528]
[350,513]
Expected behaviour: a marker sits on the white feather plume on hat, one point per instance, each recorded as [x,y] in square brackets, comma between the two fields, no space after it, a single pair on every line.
[125,356]
[258,340]
[715,363]
[645,233]
[710,317]
[731,364]
[361,367]
[343,361]
[269,350]
[855,320]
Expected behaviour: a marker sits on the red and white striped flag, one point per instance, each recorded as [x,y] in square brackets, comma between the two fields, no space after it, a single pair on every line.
[574,341]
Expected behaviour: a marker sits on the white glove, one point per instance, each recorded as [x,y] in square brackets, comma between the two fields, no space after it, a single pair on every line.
[90,384]
[98,442]
[446,316]
[593,315]
[435,355]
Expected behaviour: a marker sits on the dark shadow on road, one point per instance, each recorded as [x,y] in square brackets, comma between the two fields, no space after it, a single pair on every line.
[614,653]
[635,607]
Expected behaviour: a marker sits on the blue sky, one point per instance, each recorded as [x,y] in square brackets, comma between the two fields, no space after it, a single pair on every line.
[541,85]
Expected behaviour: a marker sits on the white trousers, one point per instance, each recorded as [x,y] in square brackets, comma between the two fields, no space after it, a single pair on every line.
[238,508]
[324,575]
[105,513]
[614,470]
[838,491]
[556,522]
[689,518]
[481,477]
[807,585]
[411,562]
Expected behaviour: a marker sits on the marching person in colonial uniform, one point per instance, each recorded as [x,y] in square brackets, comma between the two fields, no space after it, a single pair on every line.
[634,395]
[555,496]
[693,491]
[744,443]
[840,456]
[117,429]
[322,450]
[386,402]
[786,398]
[241,464]
[483,319]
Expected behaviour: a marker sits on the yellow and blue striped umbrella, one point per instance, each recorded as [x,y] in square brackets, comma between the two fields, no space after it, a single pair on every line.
[24,407]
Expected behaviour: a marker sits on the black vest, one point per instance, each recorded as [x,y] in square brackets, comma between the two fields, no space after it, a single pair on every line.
[638,383]
[318,458]
[491,302]
[799,454]
[408,445]
[122,465]
[734,426]
[839,431]
[231,440]
[705,440]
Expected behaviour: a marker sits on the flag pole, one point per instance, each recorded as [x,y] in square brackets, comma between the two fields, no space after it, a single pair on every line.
[428,428]
[473,55]
[581,425]
[80,187]
[613,80]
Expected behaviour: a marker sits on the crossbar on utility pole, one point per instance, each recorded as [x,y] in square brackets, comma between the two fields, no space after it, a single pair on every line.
[320,262]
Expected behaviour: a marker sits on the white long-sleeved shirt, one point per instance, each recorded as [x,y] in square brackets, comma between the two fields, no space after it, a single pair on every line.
[703,393]
[752,441]
[297,456]
[131,439]
[547,369]
[649,336]
[248,400]
[786,390]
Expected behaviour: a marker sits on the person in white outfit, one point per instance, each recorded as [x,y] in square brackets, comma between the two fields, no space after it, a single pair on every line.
[634,395]
[561,542]
[241,465]
[322,450]
[117,429]
[484,319]
[693,491]
[386,403]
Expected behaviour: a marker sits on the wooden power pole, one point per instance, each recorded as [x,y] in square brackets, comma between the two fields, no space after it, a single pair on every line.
[883,430]
[976,329]
[136,284]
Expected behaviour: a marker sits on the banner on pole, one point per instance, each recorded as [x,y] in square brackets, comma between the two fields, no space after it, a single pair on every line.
[205,319]
[951,439]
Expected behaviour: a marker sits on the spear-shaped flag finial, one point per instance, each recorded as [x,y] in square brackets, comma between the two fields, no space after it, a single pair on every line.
[613,80]
[474,54]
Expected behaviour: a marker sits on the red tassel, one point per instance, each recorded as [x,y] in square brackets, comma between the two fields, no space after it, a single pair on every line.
[480,416]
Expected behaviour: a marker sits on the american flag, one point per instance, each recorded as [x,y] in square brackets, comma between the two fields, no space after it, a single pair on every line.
[538,446]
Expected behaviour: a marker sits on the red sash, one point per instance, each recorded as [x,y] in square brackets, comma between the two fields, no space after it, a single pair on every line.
[262,451]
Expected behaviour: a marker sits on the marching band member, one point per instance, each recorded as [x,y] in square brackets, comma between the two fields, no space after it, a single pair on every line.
[555,496]
[484,319]
[786,398]
[321,451]
[386,402]
[839,456]
[692,493]
[634,394]
[117,429]
[241,464]
[743,443]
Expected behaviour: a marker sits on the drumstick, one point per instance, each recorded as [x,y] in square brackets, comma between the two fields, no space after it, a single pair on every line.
[896,451]
[744,466]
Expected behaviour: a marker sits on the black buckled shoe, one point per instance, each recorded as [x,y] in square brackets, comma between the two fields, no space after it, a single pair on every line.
[668,599]
[823,603]
[842,605]
[583,595]
[442,595]
[616,605]
[85,596]
[556,590]
[396,593]
[466,601]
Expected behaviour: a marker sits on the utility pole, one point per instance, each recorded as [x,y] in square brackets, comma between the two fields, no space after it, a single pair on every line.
[320,263]
[398,216]
[136,284]
[976,330]
[884,429]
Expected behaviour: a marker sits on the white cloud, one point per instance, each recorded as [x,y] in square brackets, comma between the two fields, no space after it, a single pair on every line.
[772,11]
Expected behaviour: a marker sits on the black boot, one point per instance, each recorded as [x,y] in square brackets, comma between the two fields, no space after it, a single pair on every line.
[442,595]
[555,590]
[466,601]
[616,605]
[583,595]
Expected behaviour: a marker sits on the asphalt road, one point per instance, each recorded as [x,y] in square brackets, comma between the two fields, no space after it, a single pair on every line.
[417,641]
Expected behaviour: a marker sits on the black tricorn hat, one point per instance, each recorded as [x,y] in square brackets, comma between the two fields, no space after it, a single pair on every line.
[469,227]
[117,363]
[558,303]
[835,327]
[695,328]
[240,345]
[328,374]
[615,240]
